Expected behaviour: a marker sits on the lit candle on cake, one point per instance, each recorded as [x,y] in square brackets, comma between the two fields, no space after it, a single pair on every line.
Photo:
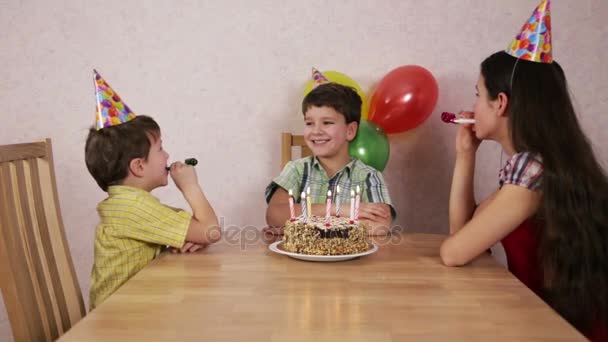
[308,203]
[352,207]
[337,200]
[292,209]
[303,204]
[357,202]
[328,209]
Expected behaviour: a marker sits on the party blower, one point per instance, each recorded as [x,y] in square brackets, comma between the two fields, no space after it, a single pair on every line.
[189,161]
[448,117]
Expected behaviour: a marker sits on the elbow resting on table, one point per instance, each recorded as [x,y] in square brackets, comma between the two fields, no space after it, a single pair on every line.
[216,235]
[205,232]
[450,256]
[213,231]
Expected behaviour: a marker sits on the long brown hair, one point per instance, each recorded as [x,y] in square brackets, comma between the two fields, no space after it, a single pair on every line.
[574,243]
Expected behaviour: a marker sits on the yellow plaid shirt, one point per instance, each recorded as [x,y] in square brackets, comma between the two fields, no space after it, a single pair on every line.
[134,229]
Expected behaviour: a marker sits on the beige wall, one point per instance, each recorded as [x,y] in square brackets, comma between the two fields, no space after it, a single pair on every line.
[224,78]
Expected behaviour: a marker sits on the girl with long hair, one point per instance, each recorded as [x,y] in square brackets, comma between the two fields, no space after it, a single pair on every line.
[551,209]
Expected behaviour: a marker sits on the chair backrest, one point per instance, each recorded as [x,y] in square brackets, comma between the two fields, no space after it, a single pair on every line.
[37,277]
[289,140]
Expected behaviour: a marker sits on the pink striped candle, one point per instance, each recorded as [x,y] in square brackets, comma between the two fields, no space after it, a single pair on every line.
[292,209]
[352,207]
[328,209]
[357,202]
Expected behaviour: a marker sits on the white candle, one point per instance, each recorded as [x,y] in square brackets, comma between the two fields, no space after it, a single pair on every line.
[357,202]
[308,203]
[292,209]
[328,209]
[337,201]
[352,206]
[303,204]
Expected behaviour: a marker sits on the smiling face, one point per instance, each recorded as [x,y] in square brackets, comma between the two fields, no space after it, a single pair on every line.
[326,132]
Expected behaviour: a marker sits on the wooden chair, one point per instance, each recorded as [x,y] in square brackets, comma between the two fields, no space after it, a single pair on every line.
[37,278]
[289,140]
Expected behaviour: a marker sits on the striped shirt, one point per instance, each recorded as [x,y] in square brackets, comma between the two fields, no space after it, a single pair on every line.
[300,174]
[524,169]
[134,229]
[522,244]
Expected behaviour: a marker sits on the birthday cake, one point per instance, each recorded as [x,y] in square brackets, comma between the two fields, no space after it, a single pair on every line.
[315,237]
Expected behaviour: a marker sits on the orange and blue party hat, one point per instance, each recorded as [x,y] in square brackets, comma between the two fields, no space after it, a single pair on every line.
[533,43]
[110,111]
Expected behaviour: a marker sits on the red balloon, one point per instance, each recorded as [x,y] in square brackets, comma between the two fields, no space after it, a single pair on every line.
[403,99]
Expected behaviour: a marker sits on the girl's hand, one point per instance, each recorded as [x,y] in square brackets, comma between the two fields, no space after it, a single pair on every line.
[466,141]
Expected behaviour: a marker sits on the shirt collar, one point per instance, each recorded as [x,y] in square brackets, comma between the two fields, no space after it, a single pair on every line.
[121,189]
[348,167]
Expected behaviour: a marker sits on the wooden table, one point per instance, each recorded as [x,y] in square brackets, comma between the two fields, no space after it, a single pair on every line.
[244,292]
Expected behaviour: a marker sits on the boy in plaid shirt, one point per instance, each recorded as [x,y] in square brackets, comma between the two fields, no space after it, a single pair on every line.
[331,114]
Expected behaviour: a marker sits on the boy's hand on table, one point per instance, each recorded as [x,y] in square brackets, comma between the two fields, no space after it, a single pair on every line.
[272,234]
[188,247]
[273,230]
[373,211]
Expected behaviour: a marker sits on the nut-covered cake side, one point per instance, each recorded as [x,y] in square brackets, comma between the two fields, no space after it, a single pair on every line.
[314,237]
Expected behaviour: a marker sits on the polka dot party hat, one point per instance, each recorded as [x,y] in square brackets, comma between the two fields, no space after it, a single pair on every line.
[111,111]
[318,78]
[533,43]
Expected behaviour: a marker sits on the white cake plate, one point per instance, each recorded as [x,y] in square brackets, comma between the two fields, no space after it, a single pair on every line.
[277,248]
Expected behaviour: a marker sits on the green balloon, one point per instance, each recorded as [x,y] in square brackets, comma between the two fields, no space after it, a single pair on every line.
[370,145]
